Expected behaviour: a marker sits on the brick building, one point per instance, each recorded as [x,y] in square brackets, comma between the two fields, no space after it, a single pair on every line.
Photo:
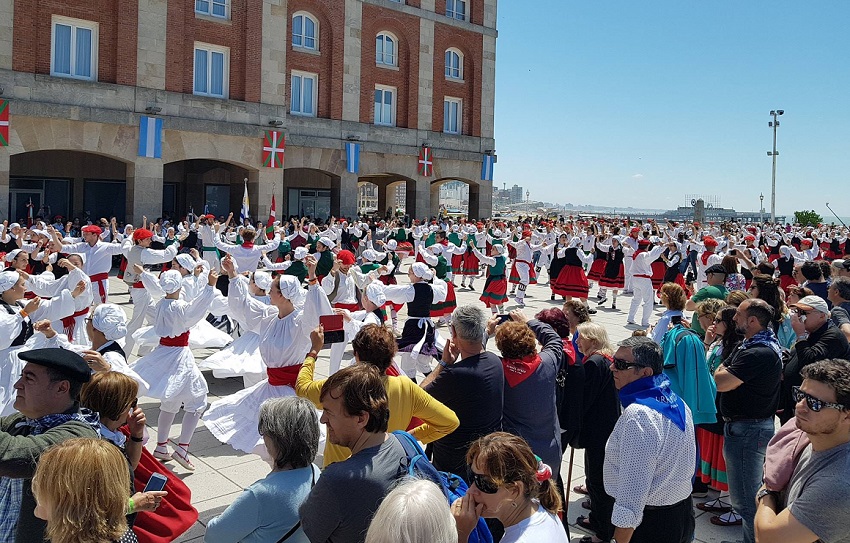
[209,78]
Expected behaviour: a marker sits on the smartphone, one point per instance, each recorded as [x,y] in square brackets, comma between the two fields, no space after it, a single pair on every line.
[503,317]
[333,329]
[156,483]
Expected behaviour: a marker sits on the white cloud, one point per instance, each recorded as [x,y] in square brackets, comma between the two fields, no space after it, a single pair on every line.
[637,176]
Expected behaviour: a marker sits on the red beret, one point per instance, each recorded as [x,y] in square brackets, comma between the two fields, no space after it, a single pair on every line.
[94,229]
[346,257]
[709,241]
[142,233]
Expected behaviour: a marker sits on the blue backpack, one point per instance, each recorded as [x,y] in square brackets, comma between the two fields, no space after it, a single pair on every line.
[453,487]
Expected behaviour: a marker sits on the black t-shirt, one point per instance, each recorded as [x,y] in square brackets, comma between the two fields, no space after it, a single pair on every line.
[760,369]
[474,389]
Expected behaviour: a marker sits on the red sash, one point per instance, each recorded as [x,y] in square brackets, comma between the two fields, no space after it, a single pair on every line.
[99,278]
[518,370]
[137,284]
[286,376]
[177,341]
[350,307]
[70,323]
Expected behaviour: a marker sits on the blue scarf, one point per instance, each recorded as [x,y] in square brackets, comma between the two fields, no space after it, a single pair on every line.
[654,392]
[766,338]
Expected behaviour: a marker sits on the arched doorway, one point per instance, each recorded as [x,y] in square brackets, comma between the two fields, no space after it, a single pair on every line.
[367,198]
[206,186]
[453,196]
[310,192]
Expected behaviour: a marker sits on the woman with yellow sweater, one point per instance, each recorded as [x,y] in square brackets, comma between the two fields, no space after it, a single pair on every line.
[376,345]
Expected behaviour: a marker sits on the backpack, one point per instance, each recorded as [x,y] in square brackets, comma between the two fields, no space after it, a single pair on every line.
[453,487]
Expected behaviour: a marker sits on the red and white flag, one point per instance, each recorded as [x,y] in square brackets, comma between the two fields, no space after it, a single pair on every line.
[272,218]
[274,147]
[426,162]
[4,123]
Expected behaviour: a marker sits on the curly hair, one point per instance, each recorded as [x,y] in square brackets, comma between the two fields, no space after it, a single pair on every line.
[834,373]
[736,297]
[768,290]
[376,345]
[709,307]
[515,340]
[555,318]
[676,296]
[731,337]
[577,309]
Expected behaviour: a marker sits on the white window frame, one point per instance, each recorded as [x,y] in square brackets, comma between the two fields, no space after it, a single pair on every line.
[449,69]
[74,24]
[393,107]
[453,13]
[447,101]
[210,11]
[382,61]
[305,15]
[210,49]
[315,94]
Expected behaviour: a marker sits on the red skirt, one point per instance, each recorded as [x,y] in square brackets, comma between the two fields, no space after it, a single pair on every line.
[457,263]
[786,281]
[596,269]
[571,282]
[445,307]
[618,282]
[712,468]
[658,271]
[515,278]
[470,264]
[495,291]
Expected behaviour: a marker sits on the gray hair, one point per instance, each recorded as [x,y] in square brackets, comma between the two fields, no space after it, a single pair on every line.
[470,322]
[415,511]
[842,287]
[293,427]
[647,353]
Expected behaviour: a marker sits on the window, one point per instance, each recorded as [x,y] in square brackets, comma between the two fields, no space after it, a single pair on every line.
[452,109]
[305,31]
[385,105]
[212,70]
[456,9]
[74,49]
[304,88]
[216,8]
[454,64]
[385,49]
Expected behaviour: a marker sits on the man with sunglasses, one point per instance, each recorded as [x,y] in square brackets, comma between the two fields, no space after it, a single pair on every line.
[817,339]
[817,497]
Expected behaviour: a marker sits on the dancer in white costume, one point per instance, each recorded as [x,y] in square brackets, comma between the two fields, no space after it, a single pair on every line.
[170,369]
[242,358]
[284,328]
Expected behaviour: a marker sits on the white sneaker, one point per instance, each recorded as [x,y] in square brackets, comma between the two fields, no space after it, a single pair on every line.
[181,456]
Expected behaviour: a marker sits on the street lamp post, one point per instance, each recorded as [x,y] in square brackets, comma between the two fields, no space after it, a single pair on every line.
[774,124]
[527,195]
[761,208]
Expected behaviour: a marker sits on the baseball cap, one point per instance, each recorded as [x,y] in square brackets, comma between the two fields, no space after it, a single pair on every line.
[812,303]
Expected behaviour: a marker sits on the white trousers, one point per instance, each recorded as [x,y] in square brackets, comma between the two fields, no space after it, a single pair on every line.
[642,288]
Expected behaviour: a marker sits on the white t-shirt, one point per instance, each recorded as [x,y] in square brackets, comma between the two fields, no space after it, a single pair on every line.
[541,526]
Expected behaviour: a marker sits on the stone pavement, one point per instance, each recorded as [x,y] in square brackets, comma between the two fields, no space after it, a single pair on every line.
[222,473]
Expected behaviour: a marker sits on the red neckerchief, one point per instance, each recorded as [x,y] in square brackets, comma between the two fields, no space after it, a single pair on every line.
[569,351]
[639,251]
[248,244]
[705,256]
[518,370]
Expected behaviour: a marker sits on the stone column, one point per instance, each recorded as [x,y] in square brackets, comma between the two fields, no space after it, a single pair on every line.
[144,189]
[351,61]
[383,189]
[348,194]
[488,86]
[435,199]
[150,59]
[264,183]
[426,74]
[419,197]
[275,19]
[5,160]
[7,15]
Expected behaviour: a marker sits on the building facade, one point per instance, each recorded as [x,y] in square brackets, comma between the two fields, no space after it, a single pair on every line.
[156,107]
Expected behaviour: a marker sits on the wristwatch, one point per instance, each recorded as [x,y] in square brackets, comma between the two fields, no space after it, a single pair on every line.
[765,492]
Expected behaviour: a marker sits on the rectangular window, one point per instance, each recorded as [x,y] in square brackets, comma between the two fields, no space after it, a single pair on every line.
[212,70]
[74,49]
[452,115]
[385,105]
[305,88]
[216,8]
[456,9]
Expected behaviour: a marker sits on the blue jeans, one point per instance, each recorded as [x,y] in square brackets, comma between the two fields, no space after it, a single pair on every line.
[743,447]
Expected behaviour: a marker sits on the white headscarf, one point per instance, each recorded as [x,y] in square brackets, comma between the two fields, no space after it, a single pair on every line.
[263,280]
[375,293]
[291,290]
[8,279]
[300,253]
[421,271]
[327,242]
[10,256]
[392,245]
[186,261]
[170,281]
[111,320]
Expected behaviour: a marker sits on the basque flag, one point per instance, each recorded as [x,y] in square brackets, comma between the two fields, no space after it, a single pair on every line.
[274,147]
[352,157]
[487,163]
[4,123]
[426,162]
[150,137]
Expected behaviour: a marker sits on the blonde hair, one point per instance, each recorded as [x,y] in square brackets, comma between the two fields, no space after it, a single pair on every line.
[85,482]
[597,335]
[415,511]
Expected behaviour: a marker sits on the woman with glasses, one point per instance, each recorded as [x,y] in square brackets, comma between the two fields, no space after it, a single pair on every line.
[511,484]
[766,288]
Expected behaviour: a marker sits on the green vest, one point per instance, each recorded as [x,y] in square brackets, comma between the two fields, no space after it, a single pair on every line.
[297,269]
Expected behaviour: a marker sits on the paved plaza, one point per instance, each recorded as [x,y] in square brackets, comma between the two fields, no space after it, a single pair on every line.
[222,473]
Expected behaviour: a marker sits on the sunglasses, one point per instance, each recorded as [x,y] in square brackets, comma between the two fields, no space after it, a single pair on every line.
[622,365]
[482,482]
[813,403]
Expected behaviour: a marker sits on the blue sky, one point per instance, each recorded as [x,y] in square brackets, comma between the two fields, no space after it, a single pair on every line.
[641,102]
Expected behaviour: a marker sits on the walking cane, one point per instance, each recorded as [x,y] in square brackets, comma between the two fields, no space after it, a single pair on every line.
[568,487]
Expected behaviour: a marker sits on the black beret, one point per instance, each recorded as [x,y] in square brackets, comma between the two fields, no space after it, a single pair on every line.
[717,268]
[67,362]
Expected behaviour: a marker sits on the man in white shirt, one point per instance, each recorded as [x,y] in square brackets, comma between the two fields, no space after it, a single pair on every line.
[651,454]
[98,258]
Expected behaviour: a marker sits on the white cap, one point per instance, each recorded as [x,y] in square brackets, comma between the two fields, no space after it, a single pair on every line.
[170,281]
[111,320]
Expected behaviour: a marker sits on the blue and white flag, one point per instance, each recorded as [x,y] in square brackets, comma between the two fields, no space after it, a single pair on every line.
[487,163]
[245,207]
[352,157]
[150,137]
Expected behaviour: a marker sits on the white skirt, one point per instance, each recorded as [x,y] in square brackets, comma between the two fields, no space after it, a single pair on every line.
[173,378]
[242,357]
[10,371]
[201,336]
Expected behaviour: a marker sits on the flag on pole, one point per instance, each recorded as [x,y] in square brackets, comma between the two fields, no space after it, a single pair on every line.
[30,216]
[352,157]
[150,137]
[487,167]
[426,162]
[206,209]
[274,147]
[4,123]
[245,206]
[272,218]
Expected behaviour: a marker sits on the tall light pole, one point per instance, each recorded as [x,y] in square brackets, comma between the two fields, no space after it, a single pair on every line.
[761,208]
[527,195]
[775,113]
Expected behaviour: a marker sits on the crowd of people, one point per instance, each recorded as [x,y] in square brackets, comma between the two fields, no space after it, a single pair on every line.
[741,386]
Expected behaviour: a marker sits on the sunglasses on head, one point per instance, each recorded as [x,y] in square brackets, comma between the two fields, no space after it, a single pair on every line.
[482,482]
[813,403]
[622,365]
